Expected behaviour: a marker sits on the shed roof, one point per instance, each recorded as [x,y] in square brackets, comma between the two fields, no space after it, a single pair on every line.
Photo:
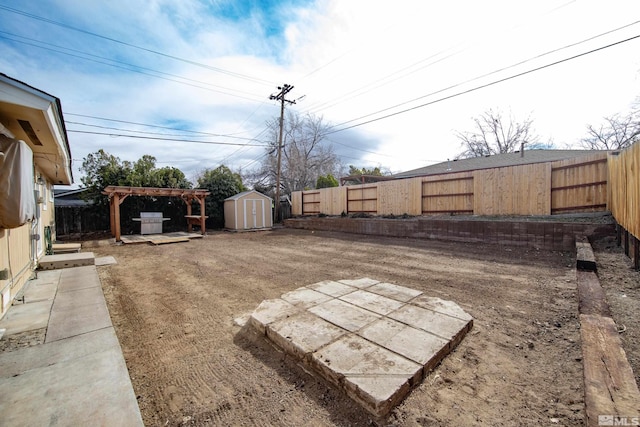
[244,193]
[496,161]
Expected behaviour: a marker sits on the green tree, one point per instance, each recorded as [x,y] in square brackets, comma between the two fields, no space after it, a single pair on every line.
[354,171]
[102,169]
[222,183]
[326,181]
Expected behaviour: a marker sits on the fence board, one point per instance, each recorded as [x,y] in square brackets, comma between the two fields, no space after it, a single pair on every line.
[399,197]
[311,202]
[333,201]
[296,202]
[625,188]
[362,198]
[516,190]
[579,185]
[451,193]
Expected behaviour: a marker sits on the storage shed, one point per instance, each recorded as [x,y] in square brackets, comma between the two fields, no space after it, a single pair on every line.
[249,210]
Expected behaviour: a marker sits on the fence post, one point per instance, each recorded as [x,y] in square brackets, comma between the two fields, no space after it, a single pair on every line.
[626,242]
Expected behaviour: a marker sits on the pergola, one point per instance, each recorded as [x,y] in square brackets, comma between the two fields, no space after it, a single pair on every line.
[117,194]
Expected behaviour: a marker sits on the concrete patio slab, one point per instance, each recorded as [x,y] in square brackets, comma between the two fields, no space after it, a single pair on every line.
[270,311]
[54,262]
[345,315]
[26,317]
[375,341]
[372,302]
[77,320]
[78,376]
[365,282]
[398,293]
[105,260]
[61,382]
[334,289]
[305,298]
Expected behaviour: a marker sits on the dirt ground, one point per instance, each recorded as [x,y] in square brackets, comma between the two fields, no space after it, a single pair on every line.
[173,307]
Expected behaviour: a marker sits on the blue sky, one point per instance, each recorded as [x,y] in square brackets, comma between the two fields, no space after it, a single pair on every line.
[206,69]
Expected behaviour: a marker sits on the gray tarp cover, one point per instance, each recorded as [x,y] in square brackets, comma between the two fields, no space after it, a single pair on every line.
[17,201]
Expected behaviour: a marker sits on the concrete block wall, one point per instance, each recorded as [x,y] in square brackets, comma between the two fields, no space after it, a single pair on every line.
[530,234]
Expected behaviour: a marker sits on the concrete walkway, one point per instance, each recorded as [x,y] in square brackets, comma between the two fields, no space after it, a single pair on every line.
[78,376]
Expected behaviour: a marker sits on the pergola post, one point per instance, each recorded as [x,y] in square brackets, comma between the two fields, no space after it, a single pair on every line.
[189,225]
[202,215]
[112,216]
[116,215]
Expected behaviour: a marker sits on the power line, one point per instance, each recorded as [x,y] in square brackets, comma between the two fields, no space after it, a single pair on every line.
[155,133]
[345,97]
[166,55]
[140,71]
[472,89]
[163,139]
[90,55]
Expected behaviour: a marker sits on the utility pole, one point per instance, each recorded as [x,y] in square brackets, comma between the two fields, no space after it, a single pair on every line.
[284,89]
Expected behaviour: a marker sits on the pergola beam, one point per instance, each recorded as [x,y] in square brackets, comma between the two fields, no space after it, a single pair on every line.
[117,194]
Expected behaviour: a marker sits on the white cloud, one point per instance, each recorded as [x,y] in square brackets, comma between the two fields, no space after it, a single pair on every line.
[349,59]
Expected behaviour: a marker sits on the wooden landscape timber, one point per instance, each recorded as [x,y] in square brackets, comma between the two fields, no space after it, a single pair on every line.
[585,259]
[610,388]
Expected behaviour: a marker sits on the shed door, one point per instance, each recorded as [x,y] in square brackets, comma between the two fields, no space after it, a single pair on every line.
[253,213]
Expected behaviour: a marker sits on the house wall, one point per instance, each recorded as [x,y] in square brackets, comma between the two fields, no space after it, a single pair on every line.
[19,252]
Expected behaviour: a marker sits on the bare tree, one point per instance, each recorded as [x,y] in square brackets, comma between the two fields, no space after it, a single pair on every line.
[306,155]
[493,134]
[615,133]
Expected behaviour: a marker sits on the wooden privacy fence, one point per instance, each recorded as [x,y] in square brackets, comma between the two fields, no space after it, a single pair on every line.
[624,196]
[566,186]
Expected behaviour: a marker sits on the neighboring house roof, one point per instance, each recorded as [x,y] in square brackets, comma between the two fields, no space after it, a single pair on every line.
[34,116]
[495,161]
[245,193]
[70,197]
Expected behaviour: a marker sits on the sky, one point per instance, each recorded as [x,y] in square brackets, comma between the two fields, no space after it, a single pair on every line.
[189,81]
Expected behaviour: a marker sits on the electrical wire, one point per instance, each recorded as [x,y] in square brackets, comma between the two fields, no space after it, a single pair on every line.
[163,139]
[141,71]
[166,55]
[472,89]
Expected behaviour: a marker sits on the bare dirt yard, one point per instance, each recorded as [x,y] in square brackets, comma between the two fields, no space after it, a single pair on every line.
[173,307]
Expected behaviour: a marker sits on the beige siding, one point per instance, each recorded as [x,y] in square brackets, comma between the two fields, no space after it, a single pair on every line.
[230,221]
[15,247]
